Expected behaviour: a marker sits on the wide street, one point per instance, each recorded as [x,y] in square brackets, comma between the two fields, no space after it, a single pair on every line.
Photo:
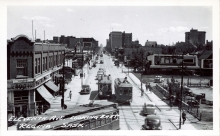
[130,117]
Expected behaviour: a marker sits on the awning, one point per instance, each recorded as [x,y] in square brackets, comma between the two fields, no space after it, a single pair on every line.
[52,86]
[45,94]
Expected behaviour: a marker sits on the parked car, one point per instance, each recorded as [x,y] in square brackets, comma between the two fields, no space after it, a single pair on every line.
[158,79]
[85,89]
[149,108]
[152,122]
[101,61]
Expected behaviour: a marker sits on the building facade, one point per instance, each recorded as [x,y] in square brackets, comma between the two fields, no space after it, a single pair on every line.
[115,39]
[126,39]
[195,36]
[32,68]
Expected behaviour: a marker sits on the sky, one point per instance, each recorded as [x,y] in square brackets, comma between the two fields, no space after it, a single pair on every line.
[164,24]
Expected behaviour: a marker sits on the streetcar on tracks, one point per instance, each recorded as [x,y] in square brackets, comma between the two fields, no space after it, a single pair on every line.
[99,116]
[123,90]
[105,87]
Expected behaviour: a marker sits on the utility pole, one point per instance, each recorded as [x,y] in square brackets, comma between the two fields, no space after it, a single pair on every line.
[181,92]
[63,80]
[142,55]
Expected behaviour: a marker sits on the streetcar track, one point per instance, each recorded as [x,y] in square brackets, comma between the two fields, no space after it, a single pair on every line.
[146,96]
[132,111]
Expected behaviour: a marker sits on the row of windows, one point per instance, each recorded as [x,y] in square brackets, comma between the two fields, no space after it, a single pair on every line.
[53,61]
[91,124]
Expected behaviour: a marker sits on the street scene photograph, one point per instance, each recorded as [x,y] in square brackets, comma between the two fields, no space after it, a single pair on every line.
[74,67]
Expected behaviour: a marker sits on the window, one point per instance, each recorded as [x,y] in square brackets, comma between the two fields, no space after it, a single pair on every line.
[46,63]
[43,64]
[93,123]
[103,122]
[86,125]
[98,122]
[115,116]
[21,67]
[121,91]
[38,65]
[108,119]
[54,64]
[125,92]
[35,63]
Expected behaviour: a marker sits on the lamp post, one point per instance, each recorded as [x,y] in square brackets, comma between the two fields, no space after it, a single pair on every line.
[63,81]
[142,55]
[181,91]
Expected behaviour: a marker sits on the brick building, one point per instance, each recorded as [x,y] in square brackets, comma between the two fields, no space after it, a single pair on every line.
[195,36]
[32,68]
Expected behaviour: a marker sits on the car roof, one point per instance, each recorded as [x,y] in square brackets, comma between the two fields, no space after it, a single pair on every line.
[153,117]
[85,85]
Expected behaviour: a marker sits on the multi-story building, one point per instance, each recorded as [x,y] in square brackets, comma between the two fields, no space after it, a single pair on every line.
[56,39]
[115,40]
[126,39]
[195,36]
[31,68]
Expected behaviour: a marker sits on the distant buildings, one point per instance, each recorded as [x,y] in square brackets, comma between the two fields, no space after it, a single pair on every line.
[195,36]
[71,41]
[151,43]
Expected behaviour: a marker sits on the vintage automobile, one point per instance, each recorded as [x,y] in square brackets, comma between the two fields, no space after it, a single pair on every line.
[158,79]
[152,122]
[149,108]
[85,89]
[99,74]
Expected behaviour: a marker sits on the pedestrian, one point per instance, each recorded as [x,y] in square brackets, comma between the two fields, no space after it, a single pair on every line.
[84,75]
[149,88]
[142,92]
[146,85]
[70,95]
[184,116]
[171,101]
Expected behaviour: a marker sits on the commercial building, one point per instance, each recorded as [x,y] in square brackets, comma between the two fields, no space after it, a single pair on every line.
[115,40]
[126,39]
[195,37]
[32,68]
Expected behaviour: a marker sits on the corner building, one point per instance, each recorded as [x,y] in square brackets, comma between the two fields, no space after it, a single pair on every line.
[32,68]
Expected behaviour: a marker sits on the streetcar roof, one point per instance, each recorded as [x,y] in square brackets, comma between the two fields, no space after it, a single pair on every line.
[90,114]
[79,110]
[120,82]
[106,80]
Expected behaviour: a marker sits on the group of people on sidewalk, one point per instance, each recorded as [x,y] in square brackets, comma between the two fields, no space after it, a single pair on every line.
[148,88]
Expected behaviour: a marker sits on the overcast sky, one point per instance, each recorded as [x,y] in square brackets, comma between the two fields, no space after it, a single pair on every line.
[166,24]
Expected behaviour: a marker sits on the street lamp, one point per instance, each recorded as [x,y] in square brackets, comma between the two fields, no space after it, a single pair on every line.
[63,81]
[181,92]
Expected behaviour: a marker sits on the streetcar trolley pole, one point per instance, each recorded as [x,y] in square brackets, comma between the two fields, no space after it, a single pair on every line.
[63,81]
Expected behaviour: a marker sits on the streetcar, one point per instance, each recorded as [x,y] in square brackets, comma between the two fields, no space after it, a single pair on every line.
[105,87]
[100,116]
[123,90]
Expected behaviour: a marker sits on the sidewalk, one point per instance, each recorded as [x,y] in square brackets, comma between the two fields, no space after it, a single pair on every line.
[173,114]
[75,84]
